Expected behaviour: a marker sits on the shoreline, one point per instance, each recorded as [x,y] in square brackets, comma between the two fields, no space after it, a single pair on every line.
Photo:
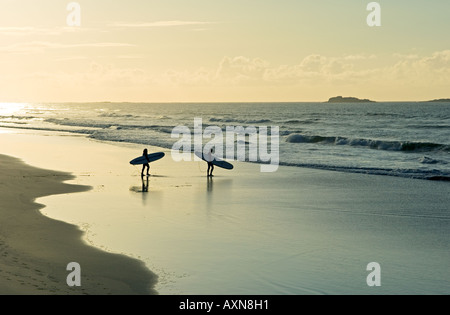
[35,249]
[426,167]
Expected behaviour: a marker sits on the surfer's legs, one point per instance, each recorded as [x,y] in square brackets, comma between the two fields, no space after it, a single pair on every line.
[210,169]
[143,169]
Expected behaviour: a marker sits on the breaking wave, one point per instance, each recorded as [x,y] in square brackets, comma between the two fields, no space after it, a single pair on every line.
[404,146]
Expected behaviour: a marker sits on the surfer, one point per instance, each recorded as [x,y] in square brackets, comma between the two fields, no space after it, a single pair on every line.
[146,165]
[209,158]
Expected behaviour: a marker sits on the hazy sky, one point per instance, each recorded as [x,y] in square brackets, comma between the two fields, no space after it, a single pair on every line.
[223,50]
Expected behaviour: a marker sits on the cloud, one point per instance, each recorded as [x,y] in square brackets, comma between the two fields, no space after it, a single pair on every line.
[11,30]
[22,31]
[130,56]
[30,30]
[95,80]
[99,74]
[432,69]
[438,61]
[71,58]
[174,78]
[160,24]
[241,69]
[313,77]
[318,70]
[311,69]
[406,56]
[41,46]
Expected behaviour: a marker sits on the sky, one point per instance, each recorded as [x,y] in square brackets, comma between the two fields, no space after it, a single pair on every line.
[223,51]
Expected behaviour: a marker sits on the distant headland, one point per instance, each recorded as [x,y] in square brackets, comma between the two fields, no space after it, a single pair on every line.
[441,100]
[340,99]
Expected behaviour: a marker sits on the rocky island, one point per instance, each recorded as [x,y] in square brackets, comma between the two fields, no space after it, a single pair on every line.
[340,99]
[441,100]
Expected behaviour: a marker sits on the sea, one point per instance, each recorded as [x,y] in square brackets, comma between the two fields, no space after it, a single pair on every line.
[405,139]
[301,230]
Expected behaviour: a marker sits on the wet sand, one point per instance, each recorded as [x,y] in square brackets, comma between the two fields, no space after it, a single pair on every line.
[35,250]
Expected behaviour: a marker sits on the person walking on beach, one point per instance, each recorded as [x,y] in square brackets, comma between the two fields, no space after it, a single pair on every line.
[209,159]
[147,165]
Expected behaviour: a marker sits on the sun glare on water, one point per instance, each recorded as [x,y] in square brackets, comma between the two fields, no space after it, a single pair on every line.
[9,109]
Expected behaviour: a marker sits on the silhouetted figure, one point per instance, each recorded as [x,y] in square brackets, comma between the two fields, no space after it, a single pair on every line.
[147,165]
[209,158]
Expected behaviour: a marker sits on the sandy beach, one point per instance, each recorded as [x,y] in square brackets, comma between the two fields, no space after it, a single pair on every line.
[35,249]
[297,231]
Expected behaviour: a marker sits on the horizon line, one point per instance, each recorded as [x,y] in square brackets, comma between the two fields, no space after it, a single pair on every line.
[222,102]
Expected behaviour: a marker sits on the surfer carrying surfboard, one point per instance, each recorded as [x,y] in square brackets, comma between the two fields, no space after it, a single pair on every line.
[146,165]
[213,161]
[209,159]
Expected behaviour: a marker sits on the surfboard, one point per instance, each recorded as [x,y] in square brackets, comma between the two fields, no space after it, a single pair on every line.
[152,157]
[216,161]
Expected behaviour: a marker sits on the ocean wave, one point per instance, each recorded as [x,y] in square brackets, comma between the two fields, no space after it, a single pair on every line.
[77,131]
[436,175]
[116,115]
[383,115]
[428,126]
[241,121]
[428,160]
[292,121]
[131,136]
[288,132]
[18,117]
[308,121]
[404,146]
[439,178]
[14,122]
[109,125]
